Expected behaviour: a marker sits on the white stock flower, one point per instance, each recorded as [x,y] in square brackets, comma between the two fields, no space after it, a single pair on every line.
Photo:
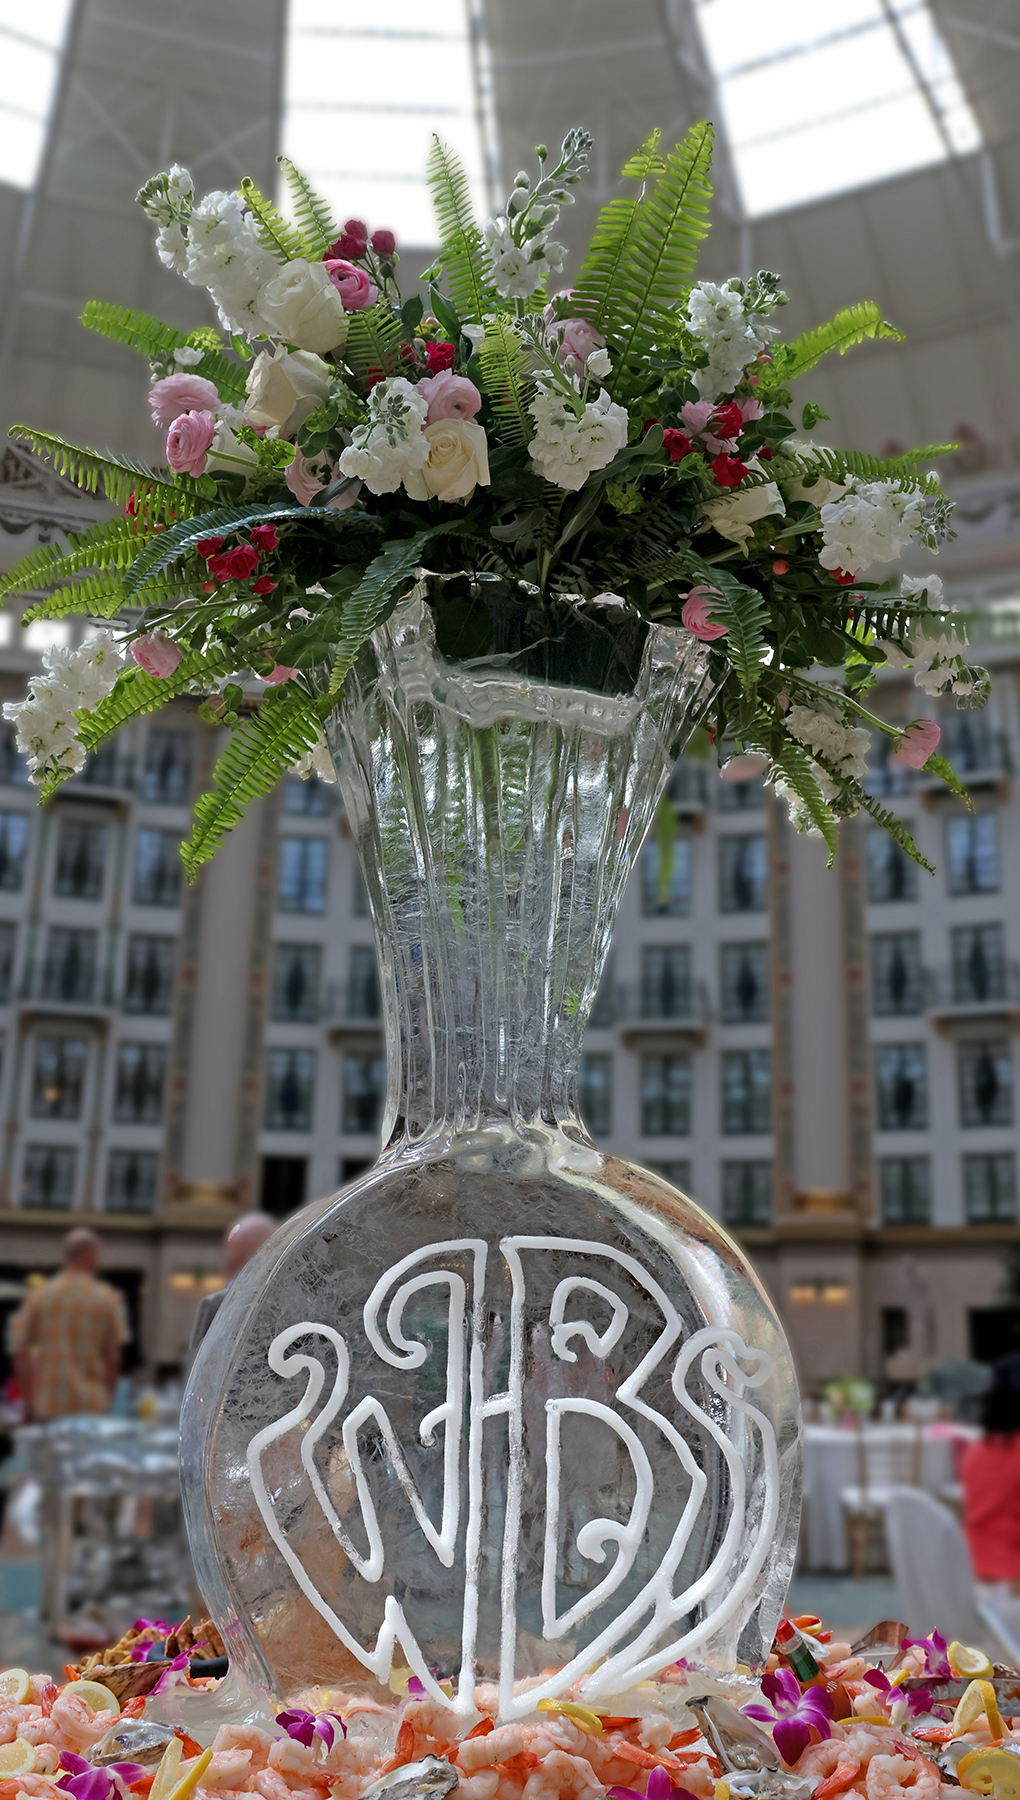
[567,449]
[599,365]
[316,761]
[731,338]
[872,522]
[514,277]
[172,247]
[824,732]
[475,334]
[73,680]
[392,443]
[922,587]
[800,818]
[226,256]
[186,356]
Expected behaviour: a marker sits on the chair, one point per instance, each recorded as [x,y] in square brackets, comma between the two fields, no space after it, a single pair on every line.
[886,1458]
[932,1569]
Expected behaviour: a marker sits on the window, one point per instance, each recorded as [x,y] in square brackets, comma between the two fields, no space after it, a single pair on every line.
[892,875]
[282,1182]
[7,931]
[743,874]
[149,979]
[744,983]
[666,981]
[363,984]
[989,1187]
[666,879]
[359,895]
[28,79]
[81,859]
[666,1096]
[818,100]
[290,1090]
[138,1095]
[675,1171]
[972,854]
[69,971]
[747,1193]
[905,1187]
[13,849]
[364,1092]
[979,963]
[895,1329]
[901,1077]
[896,986]
[595,1093]
[297,973]
[131,1181]
[311,797]
[157,868]
[100,768]
[13,768]
[985,1073]
[746,1091]
[301,881]
[58,1077]
[47,1177]
[166,777]
[967,741]
[739,796]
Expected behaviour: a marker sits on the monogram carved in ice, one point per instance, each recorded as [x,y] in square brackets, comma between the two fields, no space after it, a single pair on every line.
[636,1642]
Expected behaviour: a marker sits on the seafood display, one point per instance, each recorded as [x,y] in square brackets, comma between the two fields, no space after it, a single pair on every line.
[889,1716]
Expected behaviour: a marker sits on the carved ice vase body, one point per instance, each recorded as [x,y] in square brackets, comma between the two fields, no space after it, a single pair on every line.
[505,1407]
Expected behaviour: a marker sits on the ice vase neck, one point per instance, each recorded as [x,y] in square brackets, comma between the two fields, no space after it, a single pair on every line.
[497,814]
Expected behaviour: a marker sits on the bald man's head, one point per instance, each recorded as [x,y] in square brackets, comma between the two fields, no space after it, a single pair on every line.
[82,1250]
[245,1236]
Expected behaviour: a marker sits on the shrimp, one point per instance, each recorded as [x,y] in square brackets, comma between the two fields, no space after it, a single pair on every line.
[228,1769]
[245,1737]
[11,1716]
[890,1776]
[34,1786]
[481,1786]
[831,1764]
[475,1753]
[273,1786]
[562,1777]
[867,1741]
[47,1759]
[77,1725]
[350,1765]
[37,1687]
[297,1763]
[655,1731]
[39,1730]
[432,1723]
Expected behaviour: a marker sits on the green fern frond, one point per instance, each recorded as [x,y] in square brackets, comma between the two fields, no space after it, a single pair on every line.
[794,764]
[943,768]
[374,338]
[274,232]
[854,325]
[461,247]
[101,596]
[285,727]
[744,613]
[117,477]
[112,544]
[837,465]
[155,339]
[597,287]
[163,550]
[311,212]
[135,693]
[895,827]
[505,364]
[364,607]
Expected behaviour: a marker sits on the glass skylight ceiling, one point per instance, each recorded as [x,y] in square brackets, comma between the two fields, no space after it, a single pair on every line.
[817,100]
[366,87]
[30,43]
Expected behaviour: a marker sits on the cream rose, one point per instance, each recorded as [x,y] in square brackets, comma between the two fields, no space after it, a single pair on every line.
[302,304]
[283,387]
[228,453]
[823,489]
[458,462]
[734,516]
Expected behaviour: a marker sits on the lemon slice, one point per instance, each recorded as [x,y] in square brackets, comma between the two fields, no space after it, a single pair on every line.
[16,1685]
[17,1758]
[94,1694]
[581,1715]
[193,1777]
[167,1776]
[965,1661]
[990,1772]
[978,1698]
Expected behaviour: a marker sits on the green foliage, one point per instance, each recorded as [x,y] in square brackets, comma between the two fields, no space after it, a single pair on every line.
[839,465]
[136,693]
[274,232]
[284,728]
[374,338]
[112,544]
[854,325]
[505,363]
[597,286]
[365,606]
[168,546]
[462,251]
[895,827]
[158,341]
[311,211]
[743,611]
[943,768]
[792,761]
[117,477]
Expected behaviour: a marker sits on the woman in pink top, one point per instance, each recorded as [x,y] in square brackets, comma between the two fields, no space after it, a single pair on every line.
[991,1495]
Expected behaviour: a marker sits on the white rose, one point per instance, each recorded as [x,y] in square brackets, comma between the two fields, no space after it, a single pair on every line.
[302,304]
[283,387]
[822,490]
[458,462]
[734,516]
[226,452]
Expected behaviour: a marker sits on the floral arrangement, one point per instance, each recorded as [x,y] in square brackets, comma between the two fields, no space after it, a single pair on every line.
[630,434]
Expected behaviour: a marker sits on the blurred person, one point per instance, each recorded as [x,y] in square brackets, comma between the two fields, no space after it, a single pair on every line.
[990,1474]
[67,1336]
[246,1235]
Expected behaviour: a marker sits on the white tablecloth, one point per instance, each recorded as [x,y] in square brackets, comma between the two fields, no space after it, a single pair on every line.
[831,1464]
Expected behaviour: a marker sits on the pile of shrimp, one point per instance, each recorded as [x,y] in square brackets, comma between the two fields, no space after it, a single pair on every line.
[52,1722]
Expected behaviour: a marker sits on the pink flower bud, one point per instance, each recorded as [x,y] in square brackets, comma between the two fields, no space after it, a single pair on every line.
[697,615]
[919,741]
[156,654]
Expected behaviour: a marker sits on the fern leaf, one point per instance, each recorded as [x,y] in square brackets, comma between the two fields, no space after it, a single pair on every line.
[155,339]
[165,548]
[135,693]
[744,613]
[505,364]
[100,594]
[461,249]
[895,827]
[854,325]
[794,764]
[311,212]
[274,232]
[837,465]
[285,727]
[112,544]
[362,609]
[597,287]
[118,477]
[374,338]
[943,768]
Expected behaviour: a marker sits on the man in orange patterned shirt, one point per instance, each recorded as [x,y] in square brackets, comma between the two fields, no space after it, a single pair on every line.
[66,1337]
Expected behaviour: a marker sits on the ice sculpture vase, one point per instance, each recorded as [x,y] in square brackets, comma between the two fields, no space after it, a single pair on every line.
[505,1407]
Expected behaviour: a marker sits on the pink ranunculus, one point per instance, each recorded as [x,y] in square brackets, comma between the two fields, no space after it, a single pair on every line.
[352,284]
[278,674]
[304,477]
[695,415]
[696,614]
[750,409]
[577,339]
[156,654]
[177,394]
[189,441]
[449,397]
[919,741]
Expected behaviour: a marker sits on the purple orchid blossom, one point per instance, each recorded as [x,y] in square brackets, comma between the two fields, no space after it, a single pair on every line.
[79,1778]
[305,1726]
[172,1677]
[791,1714]
[936,1661]
[660,1787]
[918,1701]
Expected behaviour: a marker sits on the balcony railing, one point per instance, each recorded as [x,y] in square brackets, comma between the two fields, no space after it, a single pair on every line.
[648,1009]
[954,993]
[352,1003]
